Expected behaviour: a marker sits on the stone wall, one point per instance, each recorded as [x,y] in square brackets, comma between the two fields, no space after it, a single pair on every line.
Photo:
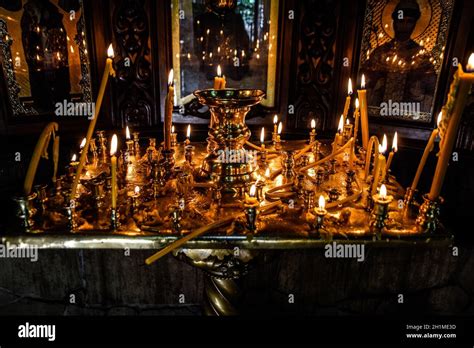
[105,282]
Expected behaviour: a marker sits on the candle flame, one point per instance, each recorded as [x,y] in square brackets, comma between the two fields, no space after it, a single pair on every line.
[267,172]
[395,142]
[384,143]
[137,190]
[280,127]
[74,158]
[188,131]
[83,143]
[357,103]
[470,63]
[341,124]
[362,83]
[110,51]
[262,135]
[172,129]
[113,145]
[313,123]
[127,133]
[383,192]
[219,71]
[275,119]
[347,121]
[252,191]
[349,87]
[322,202]
[170,78]
[440,117]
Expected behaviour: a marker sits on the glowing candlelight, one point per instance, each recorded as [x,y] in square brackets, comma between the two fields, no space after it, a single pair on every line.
[348,98]
[313,124]
[280,128]
[470,63]
[109,70]
[321,203]
[169,103]
[383,192]
[392,153]
[362,93]
[127,133]
[83,143]
[73,158]
[219,80]
[262,138]
[429,147]
[113,165]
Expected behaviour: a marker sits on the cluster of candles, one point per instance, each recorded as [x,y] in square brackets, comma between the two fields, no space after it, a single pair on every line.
[448,122]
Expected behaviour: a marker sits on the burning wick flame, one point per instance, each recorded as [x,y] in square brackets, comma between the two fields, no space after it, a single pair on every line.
[74,158]
[188,131]
[395,142]
[83,143]
[127,133]
[113,145]
[357,103]
[262,135]
[313,124]
[470,63]
[341,124]
[110,51]
[384,145]
[321,203]
[440,117]
[219,71]
[252,191]
[170,78]
[137,190]
[275,119]
[280,127]
[383,192]
[362,82]
[349,87]
[172,129]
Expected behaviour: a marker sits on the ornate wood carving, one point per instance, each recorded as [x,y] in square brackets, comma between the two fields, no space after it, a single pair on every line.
[315,63]
[134,99]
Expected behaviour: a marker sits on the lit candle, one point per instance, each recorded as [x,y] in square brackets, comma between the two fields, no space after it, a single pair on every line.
[113,168]
[380,165]
[219,80]
[390,156]
[362,93]
[174,137]
[81,148]
[129,142]
[262,139]
[250,198]
[426,153]
[169,103]
[356,118]
[275,128]
[380,212]
[449,125]
[312,134]
[251,203]
[188,135]
[338,137]
[108,71]
[278,137]
[348,99]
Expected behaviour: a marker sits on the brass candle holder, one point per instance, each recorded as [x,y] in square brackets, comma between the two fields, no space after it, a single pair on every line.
[228,132]
[188,154]
[25,211]
[114,219]
[251,212]
[320,213]
[380,212]
[316,150]
[136,142]
[427,220]
[167,162]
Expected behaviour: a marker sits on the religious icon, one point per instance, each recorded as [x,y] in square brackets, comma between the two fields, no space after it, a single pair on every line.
[402,53]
